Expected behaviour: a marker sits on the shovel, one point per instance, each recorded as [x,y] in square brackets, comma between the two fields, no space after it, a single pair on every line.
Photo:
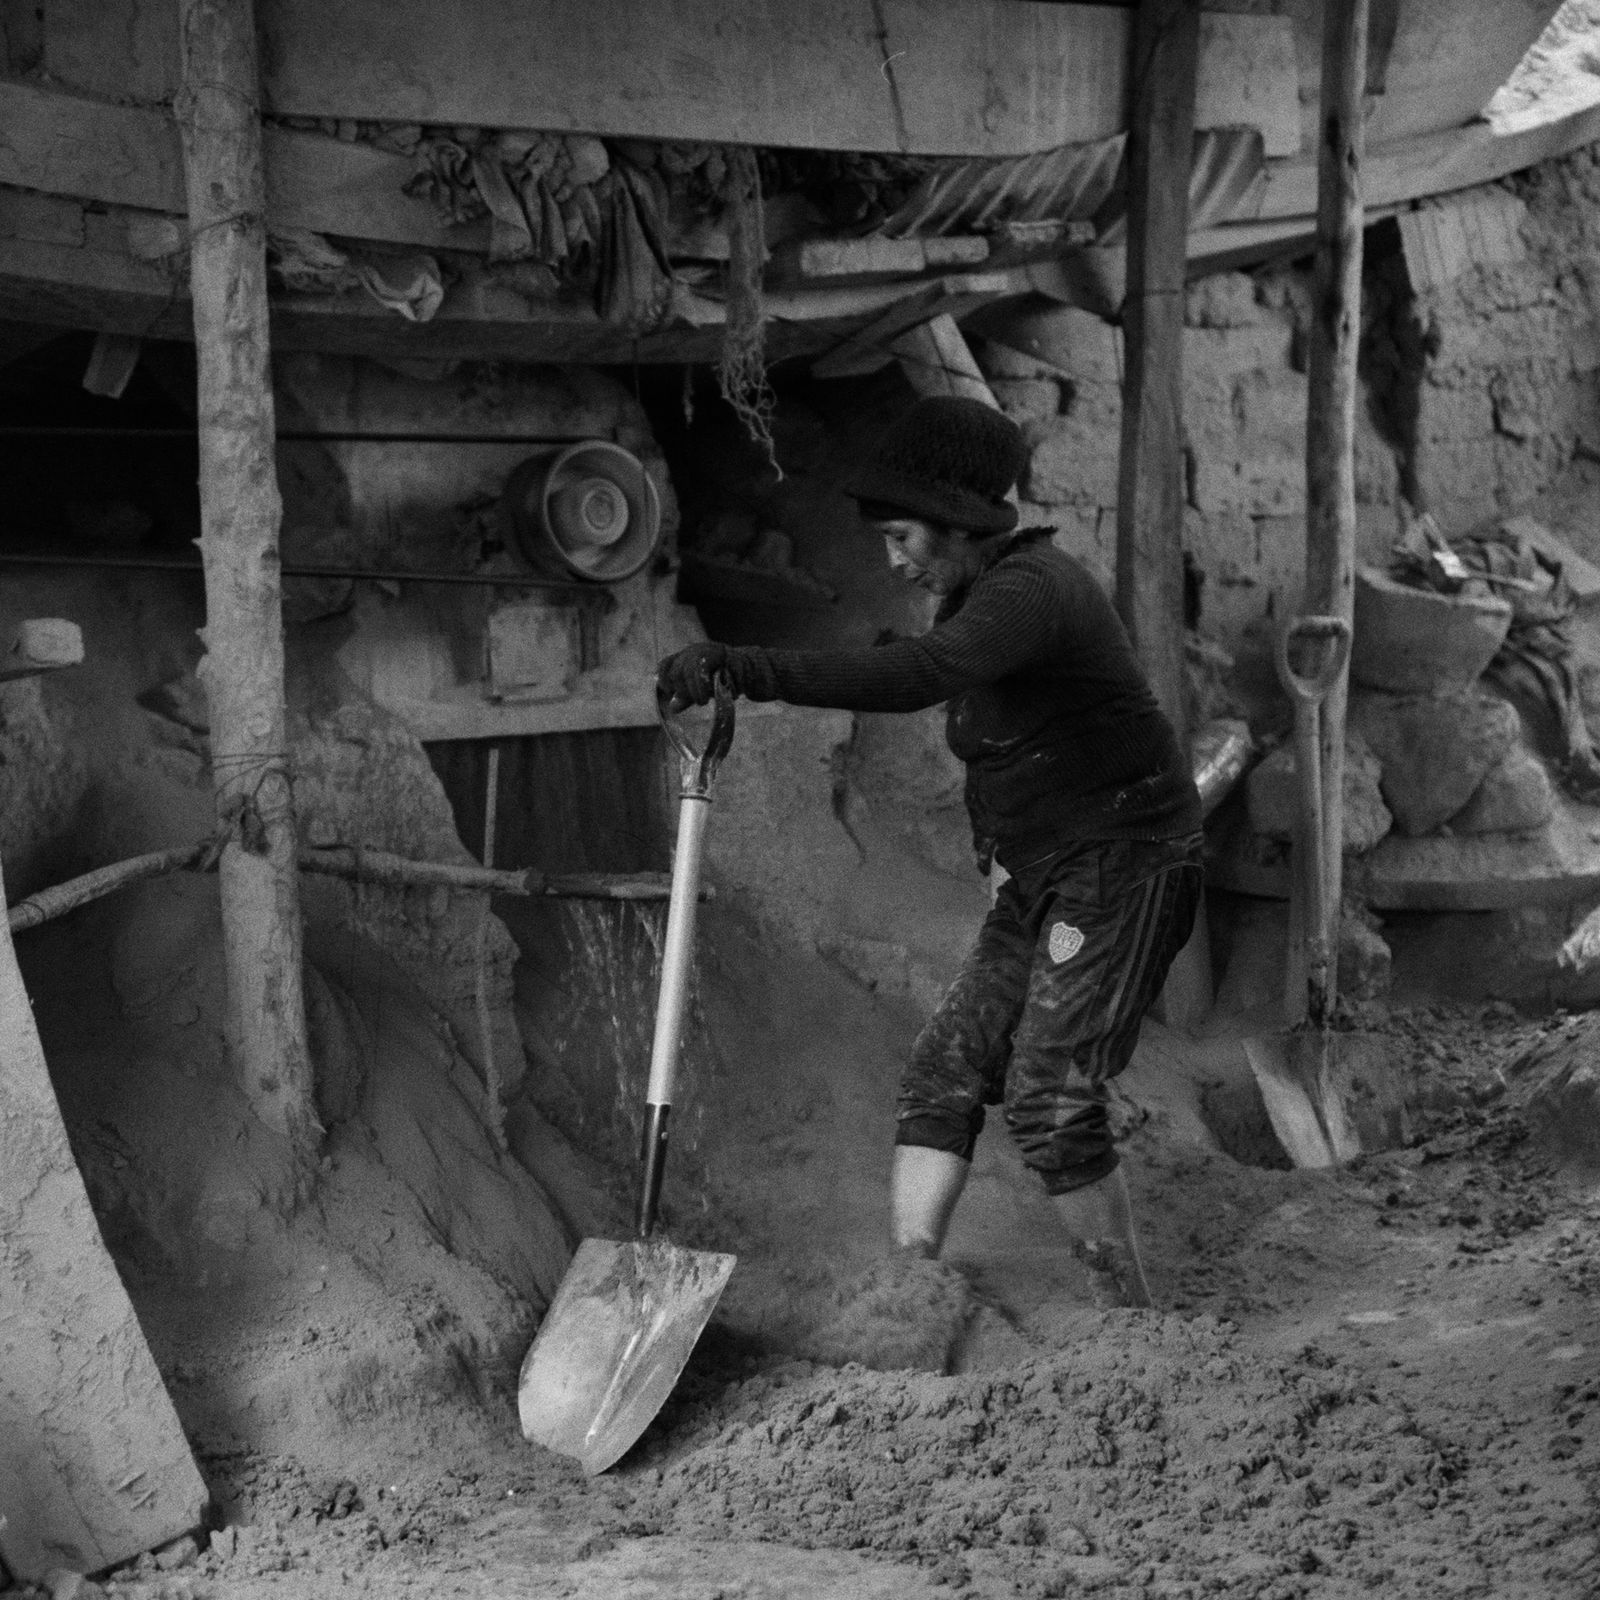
[626,1316]
[1304,1075]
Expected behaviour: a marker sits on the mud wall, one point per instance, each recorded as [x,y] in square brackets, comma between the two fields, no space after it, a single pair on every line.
[1507,397]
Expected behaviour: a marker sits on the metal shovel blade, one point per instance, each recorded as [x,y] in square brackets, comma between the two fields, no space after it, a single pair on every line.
[1330,1096]
[613,1343]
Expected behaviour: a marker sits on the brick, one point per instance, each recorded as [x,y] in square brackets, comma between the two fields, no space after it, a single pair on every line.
[1074,461]
[1027,400]
[1223,300]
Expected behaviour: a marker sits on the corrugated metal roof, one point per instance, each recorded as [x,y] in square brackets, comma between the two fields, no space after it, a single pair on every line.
[1066,184]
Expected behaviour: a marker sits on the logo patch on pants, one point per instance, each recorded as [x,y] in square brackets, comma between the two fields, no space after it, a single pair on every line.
[1065,942]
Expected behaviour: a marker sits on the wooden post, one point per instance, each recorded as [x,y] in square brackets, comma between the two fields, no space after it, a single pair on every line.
[1150,487]
[1331,398]
[1150,492]
[218,111]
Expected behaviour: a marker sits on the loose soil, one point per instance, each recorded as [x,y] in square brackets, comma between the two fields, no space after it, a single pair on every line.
[1380,1379]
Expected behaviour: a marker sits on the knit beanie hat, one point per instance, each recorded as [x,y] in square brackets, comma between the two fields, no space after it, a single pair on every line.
[949,459]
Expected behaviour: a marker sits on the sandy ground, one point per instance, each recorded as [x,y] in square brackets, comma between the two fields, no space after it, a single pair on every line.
[1382,1379]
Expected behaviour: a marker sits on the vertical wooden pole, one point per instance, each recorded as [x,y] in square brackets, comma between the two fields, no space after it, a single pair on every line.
[1150,484]
[1150,491]
[218,110]
[1331,399]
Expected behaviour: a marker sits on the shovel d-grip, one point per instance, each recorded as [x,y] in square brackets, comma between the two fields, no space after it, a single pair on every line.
[698,768]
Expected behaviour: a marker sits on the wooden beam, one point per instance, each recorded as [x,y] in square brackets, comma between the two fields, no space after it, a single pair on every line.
[936,360]
[219,113]
[1331,398]
[1150,481]
[981,77]
[1150,488]
[868,349]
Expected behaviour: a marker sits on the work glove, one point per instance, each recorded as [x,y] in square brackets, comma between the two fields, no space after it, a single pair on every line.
[687,677]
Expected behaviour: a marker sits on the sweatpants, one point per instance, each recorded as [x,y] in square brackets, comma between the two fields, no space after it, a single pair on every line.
[1046,1009]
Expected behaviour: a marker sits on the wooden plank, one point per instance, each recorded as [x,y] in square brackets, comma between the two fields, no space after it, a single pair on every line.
[1442,241]
[1446,59]
[66,144]
[957,77]
[354,190]
[1150,491]
[1150,480]
[71,145]
[1330,422]
[1430,164]
[122,49]
[94,1467]
[866,351]
[818,260]
[240,513]
[56,286]
[935,360]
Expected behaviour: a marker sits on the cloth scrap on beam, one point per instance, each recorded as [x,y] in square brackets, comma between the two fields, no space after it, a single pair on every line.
[304,262]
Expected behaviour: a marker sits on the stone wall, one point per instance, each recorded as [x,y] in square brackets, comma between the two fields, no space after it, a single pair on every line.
[1056,371]
[1506,393]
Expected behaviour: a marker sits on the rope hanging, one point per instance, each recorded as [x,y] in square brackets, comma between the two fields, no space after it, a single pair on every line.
[742,367]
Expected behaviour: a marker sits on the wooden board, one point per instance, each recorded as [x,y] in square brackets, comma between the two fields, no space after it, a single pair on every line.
[94,1467]
[123,49]
[102,287]
[66,144]
[1440,59]
[1442,241]
[953,77]
[1435,163]
[1446,59]
[1150,470]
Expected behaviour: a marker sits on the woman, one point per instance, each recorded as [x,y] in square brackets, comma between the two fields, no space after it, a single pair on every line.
[1076,787]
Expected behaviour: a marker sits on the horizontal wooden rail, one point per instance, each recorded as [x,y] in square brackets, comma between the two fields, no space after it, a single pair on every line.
[353,862]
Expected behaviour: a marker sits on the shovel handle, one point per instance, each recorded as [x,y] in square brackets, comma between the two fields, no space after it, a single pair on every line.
[699,767]
[1329,640]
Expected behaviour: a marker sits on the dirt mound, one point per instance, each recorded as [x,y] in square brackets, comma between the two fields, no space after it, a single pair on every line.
[411,1271]
[1151,1445]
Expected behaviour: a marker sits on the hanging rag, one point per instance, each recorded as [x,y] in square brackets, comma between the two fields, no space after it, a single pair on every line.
[510,238]
[304,262]
[634,284]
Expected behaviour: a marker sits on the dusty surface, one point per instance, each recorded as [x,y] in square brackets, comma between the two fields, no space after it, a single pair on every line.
[1384,1379]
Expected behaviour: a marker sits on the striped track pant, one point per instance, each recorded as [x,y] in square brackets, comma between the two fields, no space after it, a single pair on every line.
[1046,1009]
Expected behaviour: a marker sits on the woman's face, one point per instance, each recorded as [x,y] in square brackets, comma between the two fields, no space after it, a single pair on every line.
[940,560]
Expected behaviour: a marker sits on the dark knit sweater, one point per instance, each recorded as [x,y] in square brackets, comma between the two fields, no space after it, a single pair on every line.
[1047,705]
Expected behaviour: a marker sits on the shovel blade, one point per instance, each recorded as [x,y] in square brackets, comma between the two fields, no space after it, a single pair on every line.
[623,1323]
[1328,1095]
